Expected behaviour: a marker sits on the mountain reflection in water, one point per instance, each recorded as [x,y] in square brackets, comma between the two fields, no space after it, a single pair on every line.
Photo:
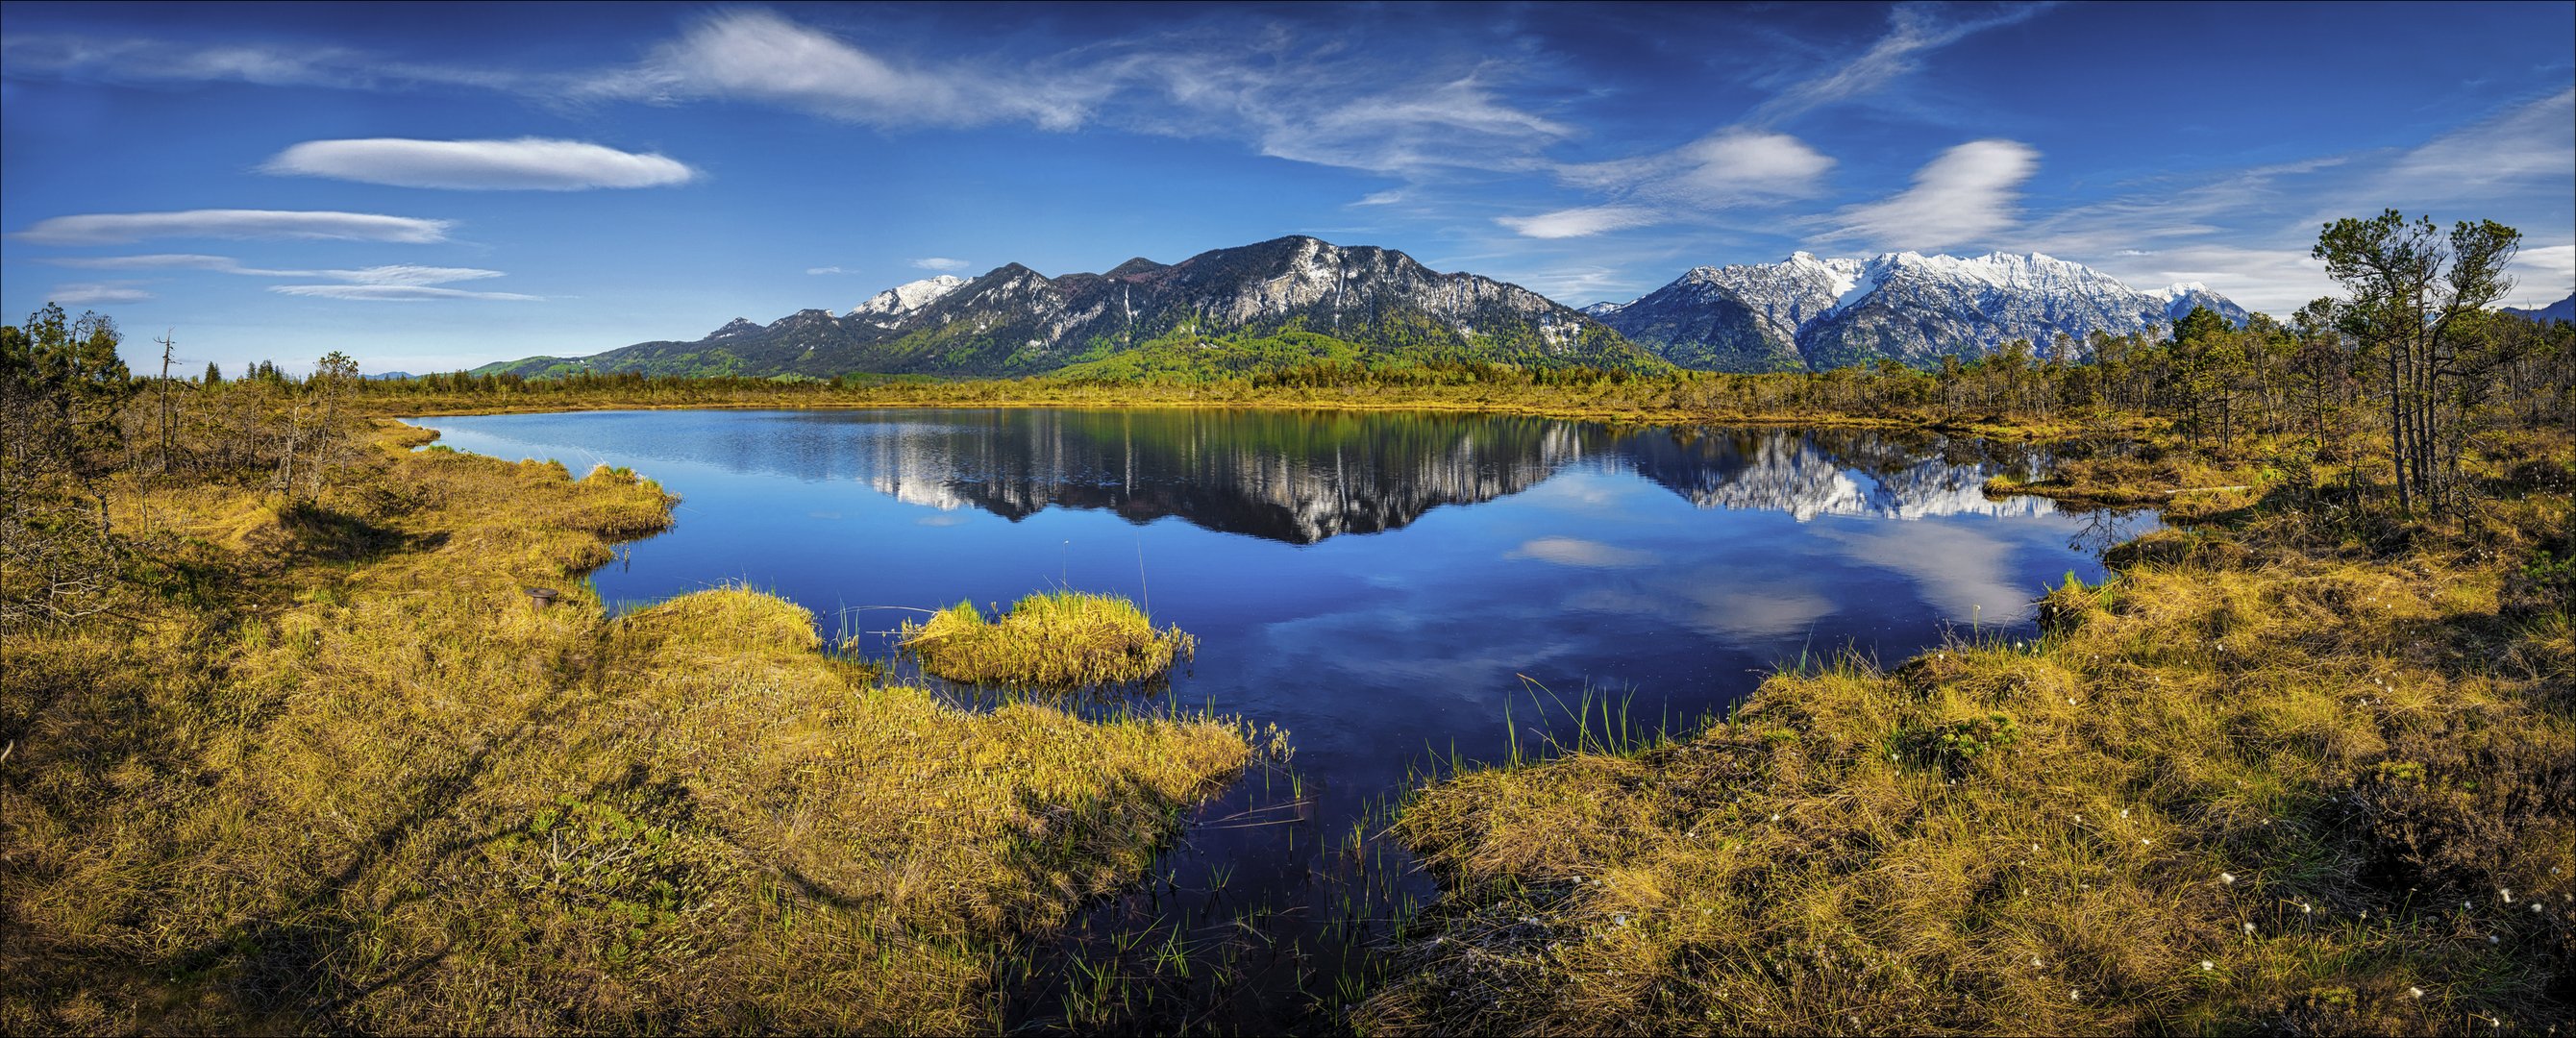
[1303,477]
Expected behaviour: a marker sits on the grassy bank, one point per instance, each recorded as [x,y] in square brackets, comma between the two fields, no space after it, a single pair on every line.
[1686,397]
[2283,771]
[324,765]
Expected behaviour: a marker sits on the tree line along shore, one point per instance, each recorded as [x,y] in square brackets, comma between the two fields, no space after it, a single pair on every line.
[287,745]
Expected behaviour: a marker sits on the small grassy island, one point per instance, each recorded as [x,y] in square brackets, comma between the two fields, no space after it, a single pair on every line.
[1059,640]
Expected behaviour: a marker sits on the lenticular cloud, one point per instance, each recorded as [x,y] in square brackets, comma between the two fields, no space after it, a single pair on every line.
[526,164]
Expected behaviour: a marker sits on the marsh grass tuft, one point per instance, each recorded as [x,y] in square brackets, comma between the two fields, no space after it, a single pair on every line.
[1051,640]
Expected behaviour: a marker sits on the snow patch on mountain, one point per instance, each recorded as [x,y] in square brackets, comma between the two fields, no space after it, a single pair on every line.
[894,303]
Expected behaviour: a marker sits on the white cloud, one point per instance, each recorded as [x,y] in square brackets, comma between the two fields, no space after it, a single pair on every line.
[1580,222]
[1965,195]
[115,228]
[157,261]
[828,270]
[2269,280]
[528,163]
[1912,32]
[1387,197]
[394,282]
[85,293]
[408,274]
[393,293]
[1459,122]
[129,60]
[761,56]
[1732,167]
[2544,274]
[390,274]
[939,263]
[2534,144]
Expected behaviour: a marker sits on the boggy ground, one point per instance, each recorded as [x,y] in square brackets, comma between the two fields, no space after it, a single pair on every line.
[328,768]
[2288,769]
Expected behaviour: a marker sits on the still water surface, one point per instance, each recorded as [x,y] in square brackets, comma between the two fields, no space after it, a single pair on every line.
[1394,589]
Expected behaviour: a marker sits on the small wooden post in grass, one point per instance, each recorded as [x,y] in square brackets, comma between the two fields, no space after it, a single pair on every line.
[543,596]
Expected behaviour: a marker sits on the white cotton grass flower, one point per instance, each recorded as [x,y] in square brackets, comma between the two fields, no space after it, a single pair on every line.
[2249,928]
[1775,816]
[2508,894]
[2144,842]
[2306,908]
[2035,961]
[2124,812]
[2415,992]
[2206,965]
[2228,878]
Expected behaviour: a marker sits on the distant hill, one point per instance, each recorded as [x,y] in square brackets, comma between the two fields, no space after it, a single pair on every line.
[1016,321]
[1806,313]
[2562,310]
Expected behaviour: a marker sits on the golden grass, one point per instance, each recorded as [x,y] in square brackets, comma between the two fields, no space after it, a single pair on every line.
[2310,790]
[1049,640]
[337,771]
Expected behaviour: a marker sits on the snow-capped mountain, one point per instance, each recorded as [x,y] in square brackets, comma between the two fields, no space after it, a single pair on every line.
[1811,313]
[1015,320]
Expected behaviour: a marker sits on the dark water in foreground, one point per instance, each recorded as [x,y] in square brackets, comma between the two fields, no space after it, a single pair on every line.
[1391,588]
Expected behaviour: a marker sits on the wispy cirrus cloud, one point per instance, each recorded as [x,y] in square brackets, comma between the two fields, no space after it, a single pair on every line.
[1965,195]
[392,282]
[87,292]
[2248,232]
[121,228]
[394,293]
[1303,92]
[389,274]
[1913,31]
[2533,143]
[524,164]
[2543,275]
[763,56]
[133,60]
[828,270]
[1580,222]
[399,283]
[1748,164]
[939,263]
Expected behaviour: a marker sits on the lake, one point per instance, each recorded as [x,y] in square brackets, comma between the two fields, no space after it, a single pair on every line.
[1397,590]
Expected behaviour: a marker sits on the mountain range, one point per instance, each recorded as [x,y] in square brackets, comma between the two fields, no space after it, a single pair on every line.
[1299,299]
[1016,321]
[1806,313]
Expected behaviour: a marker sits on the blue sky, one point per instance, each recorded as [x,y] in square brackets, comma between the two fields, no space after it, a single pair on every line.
[436,187]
